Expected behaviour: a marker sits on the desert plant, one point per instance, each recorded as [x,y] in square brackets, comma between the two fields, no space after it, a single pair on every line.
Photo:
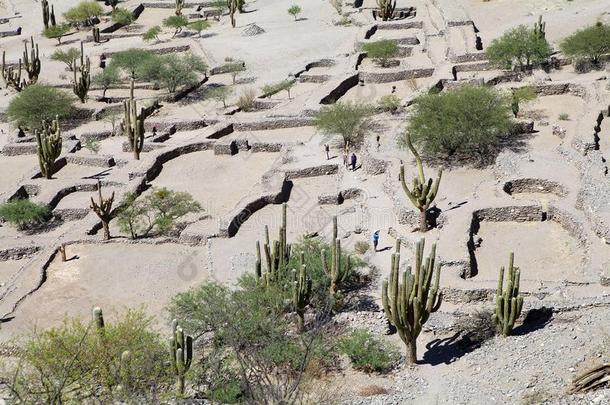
[112,3]
[48,14]
[31,61]
[361,247]
[386,9]
[294,11]
[152,33]
[408,300]
[368,353]
[131,60]
[591,379]
[508,301]
[48,147]
[23,213]
[346,119]
[56,32]
[176,22]
[284,85]
[179,6]
[97,38]
[219,93]
[233,6]
[181,347]
[122,16]
[423,192]
[564,117]
[174,71]
[520,47]
[247,100]
[199,26]
[520,95]
[277,255]
[84,12]
[107,78]
[389,103]
[463,121]
[103,209]
[66,56]
[381,51]
[92,145]
[39,103]
[589,43]
[12,77]
[81,84]
[233,68]
[133,122]
[301,294]
[336,266]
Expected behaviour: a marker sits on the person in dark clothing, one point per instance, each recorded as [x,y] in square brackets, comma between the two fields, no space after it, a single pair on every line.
[103,61]
[327,149]
[353,160]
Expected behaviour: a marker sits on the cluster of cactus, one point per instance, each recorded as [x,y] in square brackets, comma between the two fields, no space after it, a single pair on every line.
[181,347]
[234,6]
[301,293]
[30,63]
[409,300]
[49,146]
[96,35]
[337,271]
[422,193]
[80,85]
[508,301]
[103,209]
[133,123]
[540,28]
[48,14]
[386,9]
[12,76]
[179,6]
[277,255]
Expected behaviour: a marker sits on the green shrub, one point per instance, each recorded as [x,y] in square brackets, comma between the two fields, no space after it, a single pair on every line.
[361,247]
[464,121]
[23,213]
[174,71]
[92,145]
[85,12]
[37,103]
[106,78]
[199,26]
[122,16]
[152,33]
[564,117]
[66,56]
[233,68]
[368,353]
[346,119]
[381,51]
[588,43]
[56,31]
[219,93]
[131,60]
[294,11]
[389,103]
[284,85]
[520,46]
[177,22]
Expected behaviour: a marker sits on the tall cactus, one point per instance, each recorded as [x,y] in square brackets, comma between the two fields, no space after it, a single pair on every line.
[181,347]
[508,301]
[103,209]
[81,85]
[98,320]
[337,271]
[386,9]
[31,61]
[277,254]
[540,28]
[409,300]
[12,76]
[233,6]
[423,193]
[133,124]
[301,294]
[45,13]
[49,147]
[179,6]
[96,35]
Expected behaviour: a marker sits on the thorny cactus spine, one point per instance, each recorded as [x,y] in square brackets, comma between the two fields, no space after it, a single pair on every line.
[31,61]
[409,300]
[422,193]
[301,294]
[181,347]
[337,271]
[49,147]
[103,209]
[133,124]
[508,301]
[386,9]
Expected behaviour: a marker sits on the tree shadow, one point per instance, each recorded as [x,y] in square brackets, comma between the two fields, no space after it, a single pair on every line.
[302,19]
[535,319]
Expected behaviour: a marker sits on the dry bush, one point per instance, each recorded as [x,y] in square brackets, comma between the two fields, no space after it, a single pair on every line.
[371,390]
[247,100]
[361,247]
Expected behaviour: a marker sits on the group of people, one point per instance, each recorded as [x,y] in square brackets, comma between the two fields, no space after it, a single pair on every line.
[348,160]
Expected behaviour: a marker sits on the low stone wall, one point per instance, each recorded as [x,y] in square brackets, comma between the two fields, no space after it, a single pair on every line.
[95,136]
[165,157]
[395,76]
[314,171]
[161,51]
[95,161]
[16,149]
[530,185]
[147,147]
[229,148]
[182,125]
[560,88]
[61,194]
[273,123]
[400,25]
[71,214]
[266,147]
[340,197]
[373,166]
[18,253]
[460,23]
[307,78]
[473,67]
[13,33]
[519,213]
[469,57]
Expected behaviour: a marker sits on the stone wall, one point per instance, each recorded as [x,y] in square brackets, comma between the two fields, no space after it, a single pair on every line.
[95,161]
[396,75]
[314,171]
[530,185]
[18,253]
[273,123]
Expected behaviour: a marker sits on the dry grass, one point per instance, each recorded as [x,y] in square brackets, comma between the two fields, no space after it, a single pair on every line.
[371,390]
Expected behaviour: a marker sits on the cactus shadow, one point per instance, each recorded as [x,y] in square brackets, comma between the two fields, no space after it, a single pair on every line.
[535,319]
[448,350]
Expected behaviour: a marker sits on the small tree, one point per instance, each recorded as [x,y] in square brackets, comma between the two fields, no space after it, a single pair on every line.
[294,11]
[122,16]
[23,213]
[460,122]
[174,71]
[345,119]
[234,69]
[284,85]
[389,103]
[131,60]
[199,26]
[56,31]
[84,13]
[106,78]
[381,51]
[66,56]
[177,22]
[152,33]
[219,93]
[521,47]
[588,43]
[38,103]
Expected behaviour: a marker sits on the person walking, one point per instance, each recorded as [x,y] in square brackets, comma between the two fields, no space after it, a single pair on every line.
[353,160]
[375,239]
[327,149]
[378,141]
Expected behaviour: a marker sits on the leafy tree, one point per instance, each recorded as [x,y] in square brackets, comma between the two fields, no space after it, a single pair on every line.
[174,71]
[345,119]
[66,56]
[106,78]
[521,95]
[122,16]
[520,46]
[199,26]
[56,31]
[284,85]
[23,213]
[588,43]
[467,120]
[158,210]
[219,93]
[367,352]
[294,11]
[84,12]
[131,60]
[177,22]
[381,51]
[152,33]
[36,103]
[233,68]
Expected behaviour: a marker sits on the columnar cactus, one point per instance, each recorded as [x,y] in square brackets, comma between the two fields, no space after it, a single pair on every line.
[45,13]
[301,294]
[179,6]
[12,76]
[277,254]
[96,35]
[98,320]
[181,347]
[337,271]
[133,124]
[423,193]
[386,9]
[409,300]
[103,209]
[81,84]
[233,6]
[540,28]
[31,62]
[508,301]
[49,147]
